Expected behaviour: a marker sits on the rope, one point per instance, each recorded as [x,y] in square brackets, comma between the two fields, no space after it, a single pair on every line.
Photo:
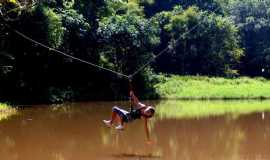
[160,53]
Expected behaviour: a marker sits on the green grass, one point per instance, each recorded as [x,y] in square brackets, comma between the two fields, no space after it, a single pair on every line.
[199,87]
[6,111]
[4,107]
[199,109]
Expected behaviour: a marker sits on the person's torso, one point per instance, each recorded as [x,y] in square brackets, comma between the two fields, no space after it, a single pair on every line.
[135,114]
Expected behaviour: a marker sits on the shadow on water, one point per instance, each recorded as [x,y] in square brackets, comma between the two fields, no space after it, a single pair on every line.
[137,156]
[195,130]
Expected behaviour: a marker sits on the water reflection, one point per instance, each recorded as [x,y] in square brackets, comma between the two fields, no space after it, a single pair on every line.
[203,109]
[75,131]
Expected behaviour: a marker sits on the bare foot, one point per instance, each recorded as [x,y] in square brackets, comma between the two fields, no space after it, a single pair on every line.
[107,123]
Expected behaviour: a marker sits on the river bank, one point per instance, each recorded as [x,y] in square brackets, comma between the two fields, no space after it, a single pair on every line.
[6,111]
[202,87]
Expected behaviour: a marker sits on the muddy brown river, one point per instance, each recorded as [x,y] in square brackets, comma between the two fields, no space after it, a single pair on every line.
[75,132]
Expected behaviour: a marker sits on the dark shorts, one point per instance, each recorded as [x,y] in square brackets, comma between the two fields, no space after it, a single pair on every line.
[122,113]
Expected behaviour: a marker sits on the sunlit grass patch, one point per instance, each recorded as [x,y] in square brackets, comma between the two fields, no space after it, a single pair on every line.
[199,109]
[201,87]
[6,111]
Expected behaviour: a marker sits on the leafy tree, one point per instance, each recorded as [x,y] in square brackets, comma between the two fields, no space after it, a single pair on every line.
[252,18]
[123,35]
[55,31]
[154,6]
[127,43]
[200,43]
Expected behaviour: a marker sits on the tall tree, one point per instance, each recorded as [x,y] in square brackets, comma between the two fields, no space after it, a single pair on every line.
[252,18]
[200,43]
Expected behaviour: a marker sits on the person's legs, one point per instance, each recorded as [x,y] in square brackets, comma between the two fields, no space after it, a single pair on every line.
[113,116]
[118,115]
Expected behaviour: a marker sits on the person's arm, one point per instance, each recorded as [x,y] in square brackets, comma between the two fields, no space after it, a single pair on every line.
[147,130]
[135,100]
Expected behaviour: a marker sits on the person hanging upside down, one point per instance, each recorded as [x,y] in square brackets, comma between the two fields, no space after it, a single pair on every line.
[140,111]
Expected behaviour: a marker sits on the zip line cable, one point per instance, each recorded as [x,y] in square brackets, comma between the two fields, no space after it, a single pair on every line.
[57,51]
[160,53]
[98,66]
[70,56]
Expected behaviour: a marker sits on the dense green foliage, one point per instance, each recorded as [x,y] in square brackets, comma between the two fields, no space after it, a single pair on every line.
[4,106]
[6,111]
[212,48]
[202,87]
[205,37]
[252,17]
